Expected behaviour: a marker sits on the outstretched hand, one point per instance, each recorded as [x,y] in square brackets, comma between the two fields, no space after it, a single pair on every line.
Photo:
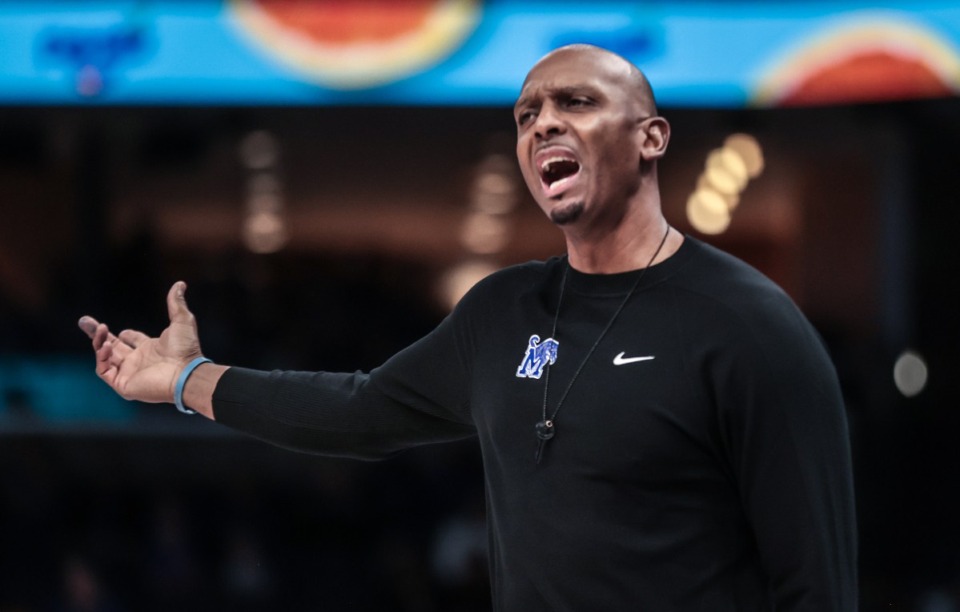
[142,368]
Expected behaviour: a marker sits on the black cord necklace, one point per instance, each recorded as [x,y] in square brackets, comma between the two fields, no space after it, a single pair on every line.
[546,427]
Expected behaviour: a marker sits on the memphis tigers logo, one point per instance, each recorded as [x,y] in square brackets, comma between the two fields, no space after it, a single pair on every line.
[538,355]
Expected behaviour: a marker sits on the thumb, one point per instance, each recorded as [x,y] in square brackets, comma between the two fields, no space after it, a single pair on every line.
[177,304]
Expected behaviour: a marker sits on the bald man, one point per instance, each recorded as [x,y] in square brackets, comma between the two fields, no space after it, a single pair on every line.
[661,428]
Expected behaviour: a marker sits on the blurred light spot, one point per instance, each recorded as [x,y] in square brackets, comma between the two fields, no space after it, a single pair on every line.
[910,373]
[496,183]
[264,228]
[492,203]
[259,150]
[264,203]
[732,199]
[499,162]
[731,160]
[455,283]
[749,151]
[708,212]
[484,234]
[487,228]
[721,180]
[264,232]
[726,170]
[263,182]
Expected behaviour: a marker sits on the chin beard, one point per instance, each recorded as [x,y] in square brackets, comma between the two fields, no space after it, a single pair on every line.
[567,214]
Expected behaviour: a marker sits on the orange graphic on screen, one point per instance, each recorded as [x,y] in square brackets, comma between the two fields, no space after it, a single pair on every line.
[866,62]
[352,45]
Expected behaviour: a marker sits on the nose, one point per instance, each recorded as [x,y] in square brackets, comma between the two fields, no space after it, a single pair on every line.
[548,122]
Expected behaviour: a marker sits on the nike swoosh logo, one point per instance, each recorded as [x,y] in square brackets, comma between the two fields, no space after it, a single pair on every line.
[621,360]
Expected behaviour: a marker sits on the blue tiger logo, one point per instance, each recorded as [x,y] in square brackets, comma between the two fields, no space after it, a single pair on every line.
[537,357]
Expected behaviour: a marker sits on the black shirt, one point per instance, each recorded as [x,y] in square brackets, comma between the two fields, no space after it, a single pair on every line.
[712,475]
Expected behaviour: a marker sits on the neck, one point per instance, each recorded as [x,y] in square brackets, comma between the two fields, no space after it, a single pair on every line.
[628,247]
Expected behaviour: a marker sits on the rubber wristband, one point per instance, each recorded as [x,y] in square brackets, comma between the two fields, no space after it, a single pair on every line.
[178,390]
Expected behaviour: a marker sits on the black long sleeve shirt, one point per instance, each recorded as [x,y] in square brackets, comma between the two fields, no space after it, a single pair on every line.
[714,477]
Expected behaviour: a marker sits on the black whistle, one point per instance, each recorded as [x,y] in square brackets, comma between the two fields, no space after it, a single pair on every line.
[545,430]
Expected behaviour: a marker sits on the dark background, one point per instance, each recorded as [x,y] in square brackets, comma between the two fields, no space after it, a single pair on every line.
[107,506]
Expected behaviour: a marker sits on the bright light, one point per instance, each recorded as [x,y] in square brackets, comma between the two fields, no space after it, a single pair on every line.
[264,229]
[264,232]
[727,172]
[708,212]
[910,374]
[749,151]
[722,181]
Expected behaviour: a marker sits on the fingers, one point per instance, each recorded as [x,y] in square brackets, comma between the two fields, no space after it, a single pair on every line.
[110,353]
[88,325]
[177,304]
[132,337]
[101,334]
[104,353]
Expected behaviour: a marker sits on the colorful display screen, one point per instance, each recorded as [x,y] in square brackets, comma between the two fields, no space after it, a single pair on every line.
[468,52]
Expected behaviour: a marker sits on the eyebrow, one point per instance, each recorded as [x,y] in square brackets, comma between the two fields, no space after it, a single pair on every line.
[557,92]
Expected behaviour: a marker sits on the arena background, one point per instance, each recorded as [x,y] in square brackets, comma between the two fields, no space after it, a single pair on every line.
[328,178]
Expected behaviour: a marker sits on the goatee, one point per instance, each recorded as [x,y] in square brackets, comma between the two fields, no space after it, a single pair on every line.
[567,214]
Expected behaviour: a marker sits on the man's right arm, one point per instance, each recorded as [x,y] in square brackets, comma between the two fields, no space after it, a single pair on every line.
[420,395]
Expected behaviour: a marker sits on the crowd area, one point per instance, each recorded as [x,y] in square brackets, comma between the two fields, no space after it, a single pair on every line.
[200,518]
[212,520]
[225,523]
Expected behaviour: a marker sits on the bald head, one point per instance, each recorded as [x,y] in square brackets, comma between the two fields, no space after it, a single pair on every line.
[589,137]
[629,75]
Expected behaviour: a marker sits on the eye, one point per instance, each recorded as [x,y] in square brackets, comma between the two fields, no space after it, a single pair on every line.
[577,102]
[524,117]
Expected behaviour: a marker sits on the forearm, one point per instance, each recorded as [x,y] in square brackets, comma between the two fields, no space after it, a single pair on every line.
[791,452]
[401,404]
[337,414]
[784,433]
[199,388]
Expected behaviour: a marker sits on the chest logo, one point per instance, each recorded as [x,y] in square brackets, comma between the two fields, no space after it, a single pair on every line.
[621,360]
[537,356]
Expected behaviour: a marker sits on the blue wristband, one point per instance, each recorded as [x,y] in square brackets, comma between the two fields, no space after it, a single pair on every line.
[178,390]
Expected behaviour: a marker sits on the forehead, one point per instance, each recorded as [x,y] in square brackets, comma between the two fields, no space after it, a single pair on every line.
[567,69]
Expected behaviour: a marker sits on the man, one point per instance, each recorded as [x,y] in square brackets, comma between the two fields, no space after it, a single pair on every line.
[661,428]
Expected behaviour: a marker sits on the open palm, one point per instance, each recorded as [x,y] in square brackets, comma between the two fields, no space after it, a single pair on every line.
[142,368]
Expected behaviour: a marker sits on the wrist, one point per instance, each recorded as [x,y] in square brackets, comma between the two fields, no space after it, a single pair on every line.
[182,381]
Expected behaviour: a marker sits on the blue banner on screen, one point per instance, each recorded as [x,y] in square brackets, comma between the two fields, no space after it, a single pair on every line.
[469,52]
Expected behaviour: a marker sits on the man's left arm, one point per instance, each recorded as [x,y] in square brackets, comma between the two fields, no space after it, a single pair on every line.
[787,440]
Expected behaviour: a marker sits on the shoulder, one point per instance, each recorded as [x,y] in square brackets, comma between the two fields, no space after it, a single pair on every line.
[510,282]
[750,306]
[726,278]
[717,278]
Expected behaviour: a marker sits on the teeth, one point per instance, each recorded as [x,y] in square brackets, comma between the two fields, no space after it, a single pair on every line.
[545,164]
[558,169]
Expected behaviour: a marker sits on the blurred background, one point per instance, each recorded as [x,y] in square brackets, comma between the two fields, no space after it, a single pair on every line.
[329,177]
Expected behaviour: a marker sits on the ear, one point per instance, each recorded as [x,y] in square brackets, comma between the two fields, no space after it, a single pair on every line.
[654,135]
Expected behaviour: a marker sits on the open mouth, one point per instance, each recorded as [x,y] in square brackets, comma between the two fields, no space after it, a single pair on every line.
[556,171]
